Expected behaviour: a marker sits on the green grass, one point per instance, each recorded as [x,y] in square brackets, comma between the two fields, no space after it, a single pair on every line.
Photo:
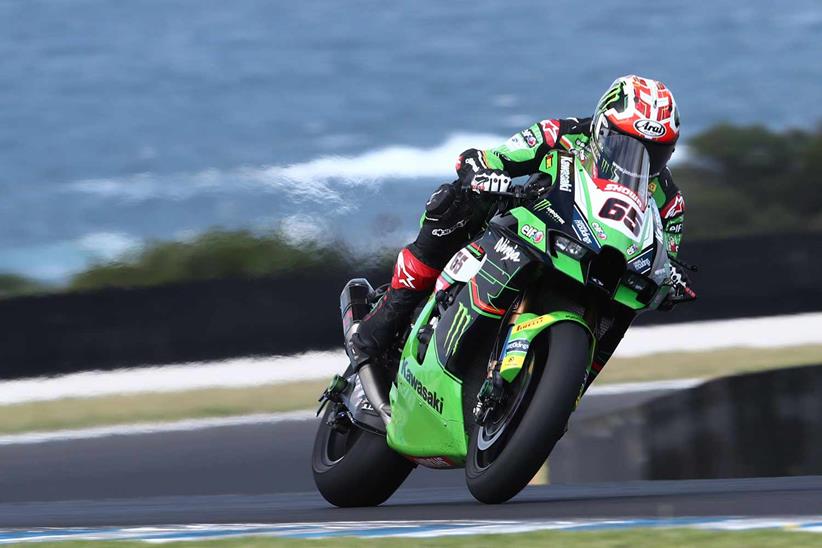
[224,402]
[635,538]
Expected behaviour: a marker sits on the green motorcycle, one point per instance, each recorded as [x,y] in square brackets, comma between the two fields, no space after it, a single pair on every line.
[499,355]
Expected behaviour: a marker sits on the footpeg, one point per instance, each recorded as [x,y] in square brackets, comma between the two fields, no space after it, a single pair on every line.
[333,393]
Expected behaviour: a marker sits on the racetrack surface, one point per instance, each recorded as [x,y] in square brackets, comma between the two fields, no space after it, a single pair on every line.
[261,473]
[796,496]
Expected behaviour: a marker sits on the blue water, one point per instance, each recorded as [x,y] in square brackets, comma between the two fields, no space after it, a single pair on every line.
[122,121]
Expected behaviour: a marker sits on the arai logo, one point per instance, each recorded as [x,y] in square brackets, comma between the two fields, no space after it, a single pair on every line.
[649,128]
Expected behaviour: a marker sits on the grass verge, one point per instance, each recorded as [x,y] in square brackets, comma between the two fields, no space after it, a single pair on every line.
[223,402]
[585,539]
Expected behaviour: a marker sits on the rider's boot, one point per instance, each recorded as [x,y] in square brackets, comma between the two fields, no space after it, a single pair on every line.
[373,336]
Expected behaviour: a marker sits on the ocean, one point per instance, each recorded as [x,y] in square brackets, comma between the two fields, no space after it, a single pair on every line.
[135,120]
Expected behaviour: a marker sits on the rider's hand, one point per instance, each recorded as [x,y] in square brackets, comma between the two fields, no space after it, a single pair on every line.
[489,180]
[681,291]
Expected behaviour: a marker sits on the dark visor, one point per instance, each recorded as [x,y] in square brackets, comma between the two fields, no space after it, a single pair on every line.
[623,160]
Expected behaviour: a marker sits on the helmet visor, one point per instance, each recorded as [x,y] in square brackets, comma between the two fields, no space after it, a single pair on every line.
[623,160]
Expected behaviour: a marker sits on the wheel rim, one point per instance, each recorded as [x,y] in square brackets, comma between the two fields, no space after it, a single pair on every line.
[338,444]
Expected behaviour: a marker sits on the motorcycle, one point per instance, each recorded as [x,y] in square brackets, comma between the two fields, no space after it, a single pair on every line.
[500,354]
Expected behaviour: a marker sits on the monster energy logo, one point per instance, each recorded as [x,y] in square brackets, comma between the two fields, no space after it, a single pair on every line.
[544,204]
[611,96]
[457,329]
[430,397]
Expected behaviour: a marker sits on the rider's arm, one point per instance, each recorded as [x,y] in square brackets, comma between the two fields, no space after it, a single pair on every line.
[522,153]
[671,207]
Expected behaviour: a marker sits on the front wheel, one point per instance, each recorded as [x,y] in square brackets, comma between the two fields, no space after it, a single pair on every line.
[353,467]
[508,450]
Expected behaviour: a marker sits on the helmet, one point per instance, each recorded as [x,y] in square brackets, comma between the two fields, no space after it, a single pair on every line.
[633,131]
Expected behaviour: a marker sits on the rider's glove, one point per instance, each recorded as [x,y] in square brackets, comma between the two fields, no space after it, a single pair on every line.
[489,180]
[681,291]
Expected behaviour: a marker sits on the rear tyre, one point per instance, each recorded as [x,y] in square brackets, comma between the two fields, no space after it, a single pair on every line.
[506,452]
[355,467]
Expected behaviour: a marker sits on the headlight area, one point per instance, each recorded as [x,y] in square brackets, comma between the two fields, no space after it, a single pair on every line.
[575,250]
[645,288]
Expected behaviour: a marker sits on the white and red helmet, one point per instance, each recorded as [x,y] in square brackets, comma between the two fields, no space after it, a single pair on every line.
[641,108]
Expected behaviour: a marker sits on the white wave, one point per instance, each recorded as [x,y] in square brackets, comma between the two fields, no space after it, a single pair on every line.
[309,180]
[108,245]
[317,180]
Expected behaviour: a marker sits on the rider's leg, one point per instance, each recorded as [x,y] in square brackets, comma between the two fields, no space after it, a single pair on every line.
[444,229]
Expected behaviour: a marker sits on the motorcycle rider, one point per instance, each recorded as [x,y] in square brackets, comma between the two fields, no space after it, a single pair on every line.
[640,108]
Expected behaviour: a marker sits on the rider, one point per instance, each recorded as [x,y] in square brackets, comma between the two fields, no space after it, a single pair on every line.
[640,108]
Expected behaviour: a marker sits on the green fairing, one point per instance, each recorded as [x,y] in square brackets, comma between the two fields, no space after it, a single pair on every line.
[541,323]
[426,403]
[569,266]
[525,217]
[627,296]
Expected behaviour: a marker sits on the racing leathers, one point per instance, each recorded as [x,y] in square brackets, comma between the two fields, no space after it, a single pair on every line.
[456,212]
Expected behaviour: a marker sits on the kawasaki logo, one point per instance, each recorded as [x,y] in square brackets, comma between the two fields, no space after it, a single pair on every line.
[565,174]
[431,398]
[649,128]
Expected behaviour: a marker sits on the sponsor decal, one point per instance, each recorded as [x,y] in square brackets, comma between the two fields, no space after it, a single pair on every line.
[440,232]
[457,329]
[517,345]
[631,249]
[508,251]
[649,128]
[582,230]
[545,207]
[624,190]
[533,324]
[516,143]
[403,276]
[600,233]
[642,264]
[674,208]
[673,246]
[433,462]
[532,233]
[675,228]
[565,173]
[549,162]
[512,360]
[652,187]
[530,138]
[550,128]
[430,397]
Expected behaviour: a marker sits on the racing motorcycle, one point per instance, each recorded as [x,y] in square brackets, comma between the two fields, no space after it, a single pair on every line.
[499,355]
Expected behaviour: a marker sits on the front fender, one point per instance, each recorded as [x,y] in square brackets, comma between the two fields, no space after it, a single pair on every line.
[525,330]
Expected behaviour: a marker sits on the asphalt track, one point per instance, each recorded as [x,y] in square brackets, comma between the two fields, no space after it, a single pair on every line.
[261,473]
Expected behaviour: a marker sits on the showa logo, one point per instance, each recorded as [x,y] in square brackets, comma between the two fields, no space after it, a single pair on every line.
[507,250]
[649,128]
[535,235]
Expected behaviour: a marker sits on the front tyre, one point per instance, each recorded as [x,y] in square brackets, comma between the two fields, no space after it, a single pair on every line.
[353,467]
[508,450]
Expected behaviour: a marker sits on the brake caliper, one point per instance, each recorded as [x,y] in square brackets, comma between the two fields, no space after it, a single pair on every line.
[489,397]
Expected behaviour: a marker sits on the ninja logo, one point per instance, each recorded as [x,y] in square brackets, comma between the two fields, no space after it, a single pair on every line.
[431,398]
[565,174]
[507,250]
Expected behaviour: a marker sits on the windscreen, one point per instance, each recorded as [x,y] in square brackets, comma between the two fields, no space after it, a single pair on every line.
[624,160]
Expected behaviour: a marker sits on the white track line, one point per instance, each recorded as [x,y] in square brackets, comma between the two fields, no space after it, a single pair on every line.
[154,428]
[775,331]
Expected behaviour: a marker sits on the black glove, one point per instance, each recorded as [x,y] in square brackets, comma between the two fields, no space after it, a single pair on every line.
[681,291]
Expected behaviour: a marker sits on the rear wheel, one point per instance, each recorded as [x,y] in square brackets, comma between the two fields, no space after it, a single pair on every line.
[353,467]
[508,450]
